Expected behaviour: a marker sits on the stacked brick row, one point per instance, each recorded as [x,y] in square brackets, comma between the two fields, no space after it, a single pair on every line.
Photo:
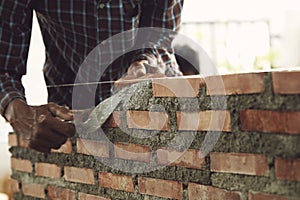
[256,156]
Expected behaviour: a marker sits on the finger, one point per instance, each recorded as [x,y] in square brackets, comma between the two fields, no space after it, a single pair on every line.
[60,111]
[56,125]
[155,69]
[137,69]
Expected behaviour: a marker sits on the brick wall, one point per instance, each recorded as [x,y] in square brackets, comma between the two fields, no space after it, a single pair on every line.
[245,131]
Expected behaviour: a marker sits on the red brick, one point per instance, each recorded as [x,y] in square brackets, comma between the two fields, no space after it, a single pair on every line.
[177,87]
[286,82]
[116,181]
[160,188]
[190,158]
[232,84]
[287,169]
[196,192]
[14,186]
[270,121]
[22,142]
[80,175]
[59,193]
[47,170]
[114,120]
[83,196]
[130,151]
[33,189]
[147,120]
[203,121]
[263,196]
[65,148]
[21,165]
[93,147]
[12,140]
[239,163]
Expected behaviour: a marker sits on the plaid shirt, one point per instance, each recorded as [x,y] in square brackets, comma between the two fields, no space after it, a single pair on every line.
[71,29]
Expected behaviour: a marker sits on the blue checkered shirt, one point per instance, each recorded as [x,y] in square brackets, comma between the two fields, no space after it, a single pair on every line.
[71,29]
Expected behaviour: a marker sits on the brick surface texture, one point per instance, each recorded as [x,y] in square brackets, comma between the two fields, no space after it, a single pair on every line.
[238,163]
[286,82]
[176,138]
[263,196]
[204,121]
[92,147]
[147,120]
[33,189]
[47,170]
[117,182]
[287,169]
[61,193]
[83,196]
[160,188]
[271,121]
[12,140]
[190,158]
[80,175]
[21,165]
[129,151]
[197,192]
[235,84]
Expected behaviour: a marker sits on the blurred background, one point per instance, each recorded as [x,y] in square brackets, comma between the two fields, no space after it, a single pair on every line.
[238,35]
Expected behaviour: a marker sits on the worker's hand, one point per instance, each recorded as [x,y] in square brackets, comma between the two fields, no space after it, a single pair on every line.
[44,127]
[143,69]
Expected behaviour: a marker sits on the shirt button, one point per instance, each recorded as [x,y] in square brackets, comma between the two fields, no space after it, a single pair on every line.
[102,5]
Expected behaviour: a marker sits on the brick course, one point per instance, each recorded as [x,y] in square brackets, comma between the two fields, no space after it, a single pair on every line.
[255,157]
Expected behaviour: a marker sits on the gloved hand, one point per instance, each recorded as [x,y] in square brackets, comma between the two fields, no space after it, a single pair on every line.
[44,127]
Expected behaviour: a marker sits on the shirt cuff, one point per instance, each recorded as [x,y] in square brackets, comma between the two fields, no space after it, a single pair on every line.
[9,97]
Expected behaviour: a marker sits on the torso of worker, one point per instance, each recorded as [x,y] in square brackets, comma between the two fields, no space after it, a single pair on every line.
[71,29]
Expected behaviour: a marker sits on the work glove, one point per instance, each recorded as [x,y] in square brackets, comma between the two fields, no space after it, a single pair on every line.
[43,127]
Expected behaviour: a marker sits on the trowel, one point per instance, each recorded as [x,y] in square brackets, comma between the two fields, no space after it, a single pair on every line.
[103,110]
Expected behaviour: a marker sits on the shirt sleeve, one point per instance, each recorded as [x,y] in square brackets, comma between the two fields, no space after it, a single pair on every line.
[165,18]
[15,32]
